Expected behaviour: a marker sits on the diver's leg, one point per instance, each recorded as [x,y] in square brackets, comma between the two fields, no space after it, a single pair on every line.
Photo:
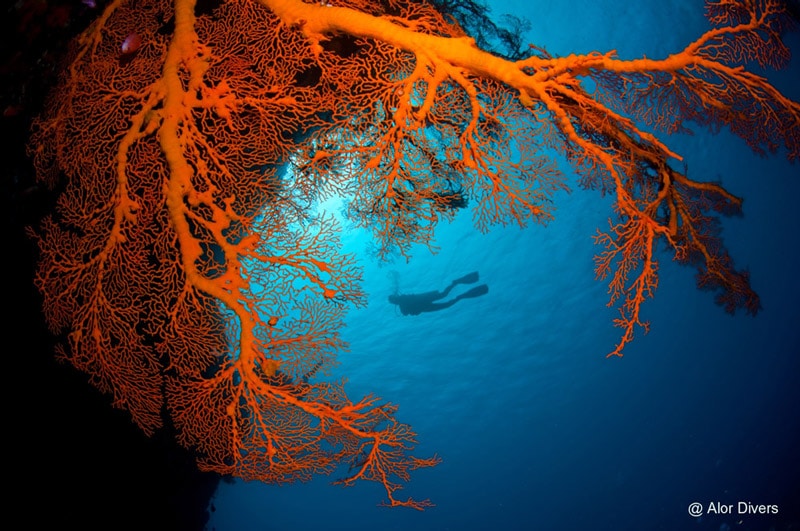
[466,279]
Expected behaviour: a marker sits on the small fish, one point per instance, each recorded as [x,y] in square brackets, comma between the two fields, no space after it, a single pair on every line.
[131,43]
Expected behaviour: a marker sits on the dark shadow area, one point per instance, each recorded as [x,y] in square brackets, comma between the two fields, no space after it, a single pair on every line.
[417,303]
[793,7]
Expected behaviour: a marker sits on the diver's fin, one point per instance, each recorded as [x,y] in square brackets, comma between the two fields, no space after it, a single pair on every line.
[477,291]
[467,279]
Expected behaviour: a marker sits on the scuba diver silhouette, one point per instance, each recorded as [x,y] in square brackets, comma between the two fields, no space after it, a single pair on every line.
[417,303]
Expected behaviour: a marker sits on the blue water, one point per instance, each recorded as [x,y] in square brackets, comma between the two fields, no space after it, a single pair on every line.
[535,427]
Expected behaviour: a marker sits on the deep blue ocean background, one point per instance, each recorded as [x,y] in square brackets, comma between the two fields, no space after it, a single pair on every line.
[535,427]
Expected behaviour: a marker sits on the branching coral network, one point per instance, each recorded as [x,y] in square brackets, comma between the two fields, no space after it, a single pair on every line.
[193,280]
